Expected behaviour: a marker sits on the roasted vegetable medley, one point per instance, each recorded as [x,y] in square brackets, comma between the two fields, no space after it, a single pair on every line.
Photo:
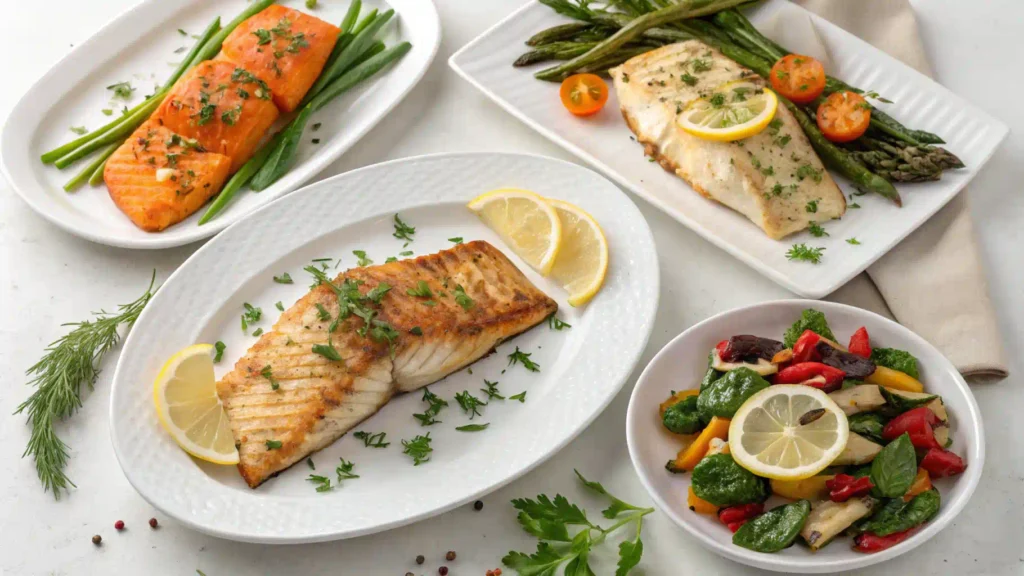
[847,434]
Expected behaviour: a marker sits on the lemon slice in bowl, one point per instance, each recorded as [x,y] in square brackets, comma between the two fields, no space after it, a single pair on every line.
[735,110]
[788,432]
[525,221]
[185,395]
[582,260]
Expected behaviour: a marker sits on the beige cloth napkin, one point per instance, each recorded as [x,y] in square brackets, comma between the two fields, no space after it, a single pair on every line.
[932,282]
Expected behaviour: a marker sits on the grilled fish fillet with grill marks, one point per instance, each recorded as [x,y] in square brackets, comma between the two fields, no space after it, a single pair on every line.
[318,399]
[770,177]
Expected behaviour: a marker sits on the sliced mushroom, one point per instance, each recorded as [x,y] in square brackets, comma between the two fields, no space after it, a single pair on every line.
[859,450]
[762,366]
[860,398]
[854,366]
[746,347]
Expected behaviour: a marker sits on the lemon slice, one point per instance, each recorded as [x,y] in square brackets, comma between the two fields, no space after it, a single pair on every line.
[527,223]
[735,110]
[582,260]
[185,394]
[766,435]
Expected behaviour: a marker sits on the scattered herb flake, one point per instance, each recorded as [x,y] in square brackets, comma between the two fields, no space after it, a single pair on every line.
[327,350]
[219,349]
[268,373]
[555,324]
[80,130]
[524,358]
[323,483]
[473,427]
[344,470]
[805,253]
[422,290]
[279,306]
[461,298]
[273,444]
[853,241]
[491,390]
[456,239]
[122,90]
[521,397]
[470,404]
[418,449]
[416,331]
[363,260]
[371,440]
[816,230]
[403,231]
[285,278]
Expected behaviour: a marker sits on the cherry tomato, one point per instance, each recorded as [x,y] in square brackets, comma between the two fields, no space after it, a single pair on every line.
[844,116]
[584,94]
[799,78]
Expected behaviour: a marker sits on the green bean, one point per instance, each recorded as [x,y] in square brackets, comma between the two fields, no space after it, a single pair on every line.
[351,16]
[210,49]
[97,174]
[354,49]
[282,157]
[358,73]
[241,178]
[130,123]
[86,173]
[366,21]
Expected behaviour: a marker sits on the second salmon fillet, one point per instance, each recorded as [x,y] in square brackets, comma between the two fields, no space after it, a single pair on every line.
[345,348]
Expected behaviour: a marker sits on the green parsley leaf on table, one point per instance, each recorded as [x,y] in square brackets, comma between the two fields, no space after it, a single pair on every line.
[805,253]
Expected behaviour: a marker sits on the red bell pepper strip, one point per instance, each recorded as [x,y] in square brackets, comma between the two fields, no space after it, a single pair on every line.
[940,463]
[739,512]
[720,350]
[805,371]
[805,348]
[734,526]
[859,343]
[917,423]
[869,542]
[842,487]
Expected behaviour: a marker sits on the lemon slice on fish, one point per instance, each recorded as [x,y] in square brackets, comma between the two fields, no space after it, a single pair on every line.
[582,260]
[185,395]
[735,110]
[788,432]
[525,221]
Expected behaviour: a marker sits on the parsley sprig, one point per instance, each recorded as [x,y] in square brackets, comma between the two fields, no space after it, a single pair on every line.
[403,231]
[427,418]
[418,449]
[805,253]
[470,404]
[492,390]
[550,520]
[524,359]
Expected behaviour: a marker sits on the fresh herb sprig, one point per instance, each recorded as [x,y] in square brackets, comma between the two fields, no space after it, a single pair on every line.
[550,520]
[71,360]
[403,231]
[555,324]
[492,390]
[418,449]
[470,404]
[372,440]
[805,253]
[428,417]
[519,357]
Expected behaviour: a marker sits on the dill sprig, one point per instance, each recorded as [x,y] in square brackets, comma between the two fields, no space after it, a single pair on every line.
[58,376]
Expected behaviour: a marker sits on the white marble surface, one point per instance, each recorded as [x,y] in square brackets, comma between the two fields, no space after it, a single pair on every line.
[49,277]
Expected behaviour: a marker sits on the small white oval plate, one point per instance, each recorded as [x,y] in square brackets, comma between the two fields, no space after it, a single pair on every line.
[138,47]
[683,361]
[582,368]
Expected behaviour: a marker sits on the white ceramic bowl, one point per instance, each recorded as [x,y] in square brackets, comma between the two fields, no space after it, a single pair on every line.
[683,361]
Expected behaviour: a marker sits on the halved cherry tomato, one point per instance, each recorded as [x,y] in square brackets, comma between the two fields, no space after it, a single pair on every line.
[799,78]
[584,94]
[844,116]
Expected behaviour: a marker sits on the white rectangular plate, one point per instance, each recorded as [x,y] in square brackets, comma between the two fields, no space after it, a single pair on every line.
[139,46]
[604,141]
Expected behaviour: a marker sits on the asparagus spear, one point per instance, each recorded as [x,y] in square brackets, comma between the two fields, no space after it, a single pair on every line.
[562,50]
[557,33]
[683,9]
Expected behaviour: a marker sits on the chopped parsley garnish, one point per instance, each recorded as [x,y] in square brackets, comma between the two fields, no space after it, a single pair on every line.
[229,117]
[521,397]
[273,444]
[122,90]
[206,114]
[107,111]
[470,404]
[492,390]
[456,239]
[298,42]
[403,231]
[363,260]
[311,4]
[317,126]
[242,93]
[461,298]
[524,359]
[805,253]
[182,32]
[688,79]
[781,74]
[243,76]
[251,315]
[808,171]
[285,278]
[717,100]
[416,331]
[473,427]
[422,290]
[812,206]
[625,78]
[309,462]
[262,36]
[279,305]
[816,230]
[257,332]
[268,373]
[853,241]
[390,259]
[555,324]
[327,350]
[322,312]
[436,403]
[344,471]
[774,126]
[405,253]
[371,440]
[418,449]
[701,65]
[853,205]
[79,130]
[323,483]
[782,140]
[219,349]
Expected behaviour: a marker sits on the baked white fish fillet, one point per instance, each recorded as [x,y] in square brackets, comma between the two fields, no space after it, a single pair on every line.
[318,399]
[773,178]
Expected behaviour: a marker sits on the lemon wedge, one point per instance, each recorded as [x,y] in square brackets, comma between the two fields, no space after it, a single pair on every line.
[525,221]
[735,110]
[788,432]
[185,395]
[582,261]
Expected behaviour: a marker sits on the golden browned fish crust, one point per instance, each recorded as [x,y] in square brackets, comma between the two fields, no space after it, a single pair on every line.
[317,399]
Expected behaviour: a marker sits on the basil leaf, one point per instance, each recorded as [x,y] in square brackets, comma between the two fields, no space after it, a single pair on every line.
[894,468]
[899,516]
[896,359]
[774,530]
[868,425]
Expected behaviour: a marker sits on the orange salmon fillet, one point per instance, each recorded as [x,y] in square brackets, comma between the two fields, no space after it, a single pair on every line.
[225,108]
[285,48]
[318,399]
[158,178]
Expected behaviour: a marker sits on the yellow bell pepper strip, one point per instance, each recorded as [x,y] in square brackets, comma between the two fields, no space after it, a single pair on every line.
[698,505]
[894,379]
[692,454]
[922,483]
[812,488]
[675,399]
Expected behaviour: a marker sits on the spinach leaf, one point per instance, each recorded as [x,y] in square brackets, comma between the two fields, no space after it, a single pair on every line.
[682,417]
[774,530]
[721,481]
[894,468]
[868,425]
[711,375]
[725,395]
[901,403]
[811,320]
[898,516]
[896,359]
